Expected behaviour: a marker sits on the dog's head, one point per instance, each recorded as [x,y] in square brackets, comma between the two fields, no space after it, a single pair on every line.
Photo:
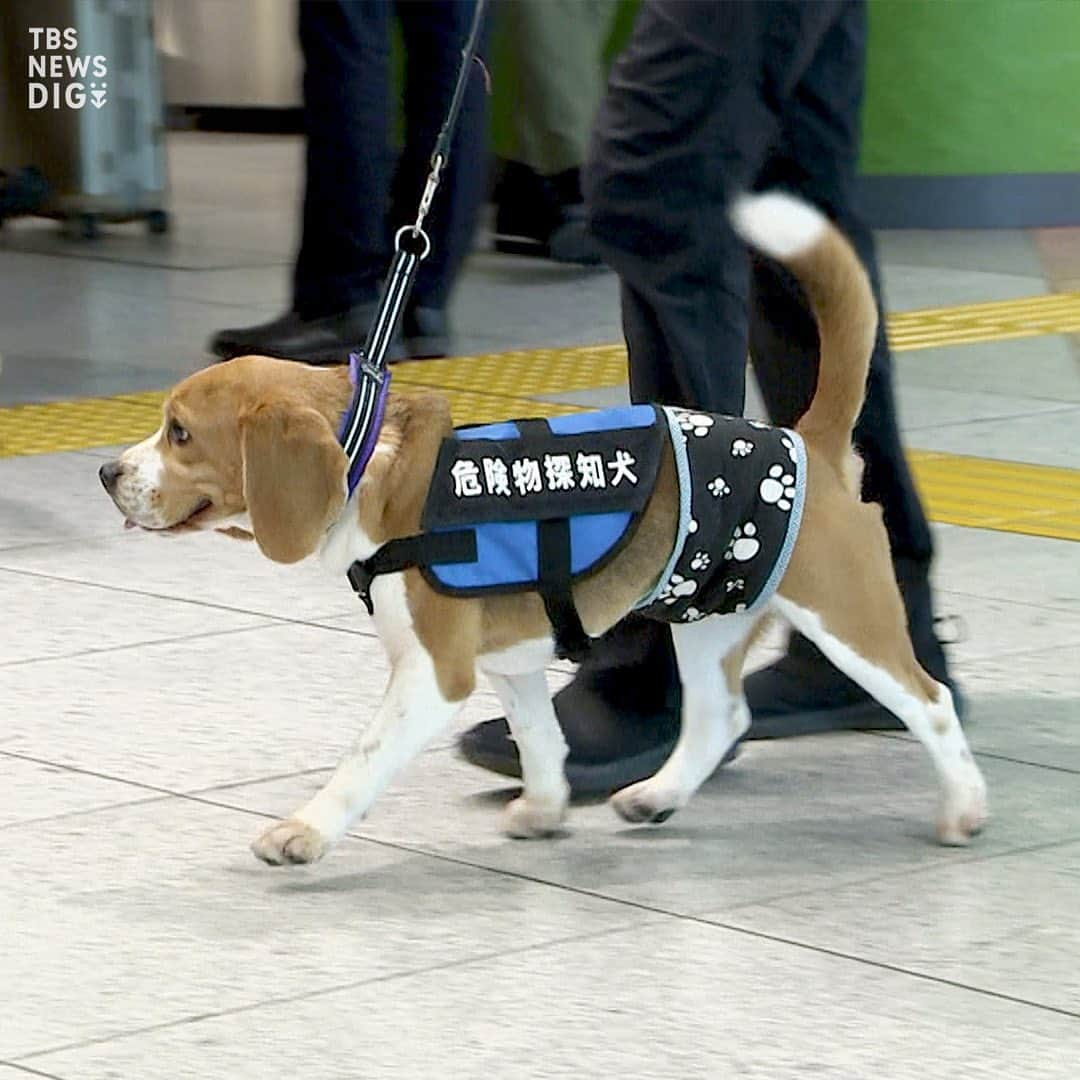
[252,441]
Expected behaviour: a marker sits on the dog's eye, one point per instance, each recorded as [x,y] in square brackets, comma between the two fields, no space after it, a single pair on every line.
[178,435]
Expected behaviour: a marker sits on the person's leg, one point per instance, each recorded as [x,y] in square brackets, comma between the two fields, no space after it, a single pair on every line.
[557,47]
[435,32]
[343,251]
[816,157]
[681,129]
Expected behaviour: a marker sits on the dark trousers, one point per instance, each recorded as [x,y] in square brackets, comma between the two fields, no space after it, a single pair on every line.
[709,99]
[354,197]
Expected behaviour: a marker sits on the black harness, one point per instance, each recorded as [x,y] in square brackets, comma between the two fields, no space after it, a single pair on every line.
[530,505]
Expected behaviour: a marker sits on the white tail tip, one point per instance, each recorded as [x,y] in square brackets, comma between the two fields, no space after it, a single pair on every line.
[778,224]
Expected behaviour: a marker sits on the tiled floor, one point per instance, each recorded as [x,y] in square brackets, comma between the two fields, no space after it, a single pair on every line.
[161,699]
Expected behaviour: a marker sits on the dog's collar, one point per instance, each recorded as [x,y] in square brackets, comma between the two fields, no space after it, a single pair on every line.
[360,425]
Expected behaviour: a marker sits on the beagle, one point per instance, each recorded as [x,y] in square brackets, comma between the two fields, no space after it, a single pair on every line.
[250,448]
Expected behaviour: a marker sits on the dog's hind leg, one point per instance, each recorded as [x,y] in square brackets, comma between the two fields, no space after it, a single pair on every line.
[714,715]
[541,808]
[849,606]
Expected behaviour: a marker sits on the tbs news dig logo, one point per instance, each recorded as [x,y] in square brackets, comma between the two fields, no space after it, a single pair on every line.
[58,76]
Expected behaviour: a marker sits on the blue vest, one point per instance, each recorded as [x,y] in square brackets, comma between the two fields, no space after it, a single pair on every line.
[595,471]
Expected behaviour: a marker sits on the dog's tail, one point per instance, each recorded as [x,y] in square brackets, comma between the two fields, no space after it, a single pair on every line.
[802,239]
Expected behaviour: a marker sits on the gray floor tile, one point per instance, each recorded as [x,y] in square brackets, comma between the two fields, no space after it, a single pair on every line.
[262,287]
[981,253]
[675,1000]
[31,791]
[915,288]
[517,302]
[153,914]
[1010,926]
[193,244]
[51,498]
[204,568]
[1035,569]
[1038,367]
[46,619]
[1028,706]
[790,816]
[925,408]
[219,708]
[998,628]
[119,344]
[1039,440]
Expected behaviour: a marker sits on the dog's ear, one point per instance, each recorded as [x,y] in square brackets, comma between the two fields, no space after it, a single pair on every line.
[294,477]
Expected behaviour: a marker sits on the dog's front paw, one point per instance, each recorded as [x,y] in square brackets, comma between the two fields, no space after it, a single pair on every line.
[963,814]
[643,802]
[530,819]
[289,841]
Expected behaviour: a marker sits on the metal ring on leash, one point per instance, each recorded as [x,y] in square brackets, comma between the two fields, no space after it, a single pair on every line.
[416,233]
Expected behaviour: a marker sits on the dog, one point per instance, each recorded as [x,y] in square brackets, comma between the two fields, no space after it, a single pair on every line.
[250,448]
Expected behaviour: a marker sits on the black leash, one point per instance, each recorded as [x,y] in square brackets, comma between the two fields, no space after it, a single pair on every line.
[370,377]
[368,368]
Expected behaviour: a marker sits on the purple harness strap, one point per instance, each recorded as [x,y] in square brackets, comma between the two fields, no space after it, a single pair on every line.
[362,421]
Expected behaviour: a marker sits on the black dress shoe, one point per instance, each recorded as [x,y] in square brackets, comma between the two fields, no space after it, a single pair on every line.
[249,340]
[543,216]
[325,340]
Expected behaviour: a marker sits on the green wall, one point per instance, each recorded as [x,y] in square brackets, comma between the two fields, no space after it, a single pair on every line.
[954,87]
[960,87]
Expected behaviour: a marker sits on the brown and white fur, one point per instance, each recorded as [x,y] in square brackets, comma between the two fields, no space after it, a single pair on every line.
[249,447]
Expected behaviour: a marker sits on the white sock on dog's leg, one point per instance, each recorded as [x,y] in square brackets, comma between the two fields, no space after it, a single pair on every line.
[541,808]
[412,712]
[713,717]
[963,808]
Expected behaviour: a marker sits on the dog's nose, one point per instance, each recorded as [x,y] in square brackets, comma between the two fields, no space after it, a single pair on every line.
[110,473]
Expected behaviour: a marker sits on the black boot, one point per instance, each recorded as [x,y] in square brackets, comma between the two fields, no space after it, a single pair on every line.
[802,693]
[620,713]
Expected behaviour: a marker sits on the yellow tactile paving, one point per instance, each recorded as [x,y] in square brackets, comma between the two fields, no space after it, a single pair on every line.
[470,407]
[959,490]
[1054,313]
[76,425]
[523,372]
[87,422]
[1005,495]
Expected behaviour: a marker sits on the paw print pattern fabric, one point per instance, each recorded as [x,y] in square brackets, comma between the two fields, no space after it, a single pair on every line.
[743,484]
